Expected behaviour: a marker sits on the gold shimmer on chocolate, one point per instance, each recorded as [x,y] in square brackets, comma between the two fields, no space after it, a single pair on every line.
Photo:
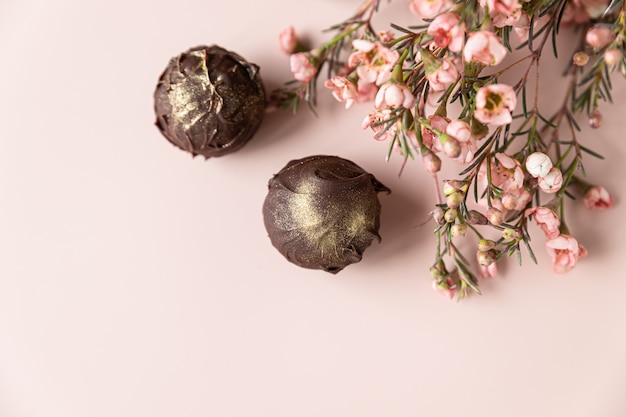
[209,101]
[322,212]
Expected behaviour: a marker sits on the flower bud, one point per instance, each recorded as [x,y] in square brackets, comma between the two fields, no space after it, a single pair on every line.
[612,57]
[451,147]
[477,218]
[458,229]
[595,119]
[486,257]
[288,40]
[432,163]
[510,234]
[509,201]
[451,215]
[599,36]
[455,199]
[438,216]
[450,186]
[580,59]
[552,181]
[438,270]
[486,244]
[538,164]
[495,216]
[598,198]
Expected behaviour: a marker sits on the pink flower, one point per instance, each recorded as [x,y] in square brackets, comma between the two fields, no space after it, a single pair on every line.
[462,132]
[489,271]
[343,90]
[373,61]
[538,164]
[302,67]
[506,174]
[501,20]
[447,31]
[552,181]
[494,104]
[431,138]
[447,288]
[598,198]
[522,25]
[546,219]
[429,8]
[503,12]
[377,121]
[565,252]
[392,95]
[287,40]
[484,47]
[442,76]
[599,36]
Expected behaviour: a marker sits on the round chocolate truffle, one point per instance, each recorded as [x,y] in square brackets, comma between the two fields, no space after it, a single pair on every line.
[209,101]
[321,212]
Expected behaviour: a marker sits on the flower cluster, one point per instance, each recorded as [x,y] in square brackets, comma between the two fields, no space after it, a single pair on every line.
[518,165]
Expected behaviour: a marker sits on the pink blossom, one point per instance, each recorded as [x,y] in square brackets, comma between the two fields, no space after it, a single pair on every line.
[377,122]
[598,198]
[373,61]
[546,219]
[302,67]
[287,40]
[462,132]
[538,164]
[501,20]
[506,174]
[343,90]
[599,36]
[431,138]
[503,12]
[552,181]
[442,76]
[494,104]
[447,31]
[489,271]
[484,47]
[447,288]
[565,252]
[429,8]
[392,95]
[521,27]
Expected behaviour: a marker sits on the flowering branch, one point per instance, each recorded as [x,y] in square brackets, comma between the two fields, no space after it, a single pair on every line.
[512,155]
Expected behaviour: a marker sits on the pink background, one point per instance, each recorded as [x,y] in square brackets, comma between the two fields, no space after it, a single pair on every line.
[137,281]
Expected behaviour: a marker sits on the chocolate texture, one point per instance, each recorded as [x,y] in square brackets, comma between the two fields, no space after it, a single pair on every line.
[322,212]
[209,101]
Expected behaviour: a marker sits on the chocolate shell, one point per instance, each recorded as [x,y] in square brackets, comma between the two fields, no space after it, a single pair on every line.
[322,212]
[209,101]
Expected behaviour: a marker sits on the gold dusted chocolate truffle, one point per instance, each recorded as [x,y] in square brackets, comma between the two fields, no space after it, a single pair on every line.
[321,212]
[209,101]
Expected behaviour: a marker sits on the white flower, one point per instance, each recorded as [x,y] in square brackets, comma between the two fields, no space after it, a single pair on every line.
[538,164]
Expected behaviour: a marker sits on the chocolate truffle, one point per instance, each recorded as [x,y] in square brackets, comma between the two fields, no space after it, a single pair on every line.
[209,101]
[321,212]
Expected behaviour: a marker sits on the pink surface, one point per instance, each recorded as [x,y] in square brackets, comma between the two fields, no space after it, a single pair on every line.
[137,281]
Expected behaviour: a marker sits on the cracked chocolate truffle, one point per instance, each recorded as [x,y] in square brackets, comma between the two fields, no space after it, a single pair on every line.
[209,101]
[322,212]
